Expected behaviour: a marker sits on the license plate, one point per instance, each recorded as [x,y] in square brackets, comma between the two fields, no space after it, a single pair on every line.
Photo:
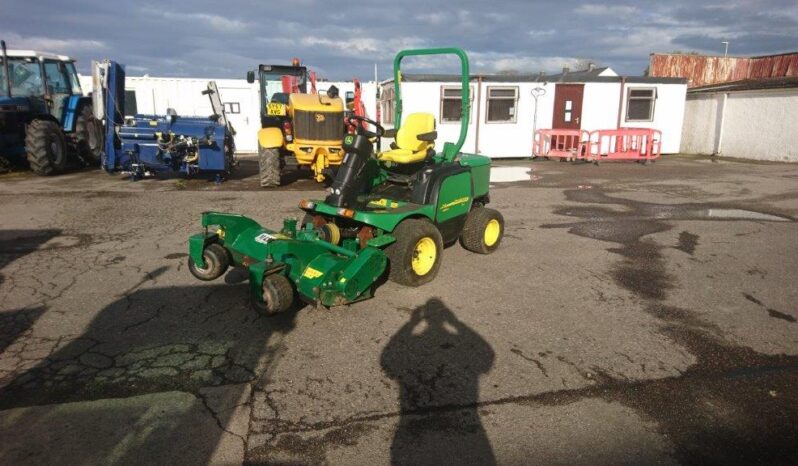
[275,109]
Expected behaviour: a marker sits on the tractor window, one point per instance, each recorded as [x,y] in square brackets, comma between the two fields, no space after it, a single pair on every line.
[74,81]
[272,82]
[57,81]
[26,77]
[3,80]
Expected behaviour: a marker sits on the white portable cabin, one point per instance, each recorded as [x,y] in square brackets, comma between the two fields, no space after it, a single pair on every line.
[502,120]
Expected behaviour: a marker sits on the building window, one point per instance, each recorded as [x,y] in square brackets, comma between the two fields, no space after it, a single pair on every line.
[640,104]
[502,104]
[451,103]
[232,108]
[387,105]
[131,107]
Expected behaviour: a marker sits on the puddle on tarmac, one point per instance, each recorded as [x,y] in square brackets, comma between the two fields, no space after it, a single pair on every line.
[743,214]
[510,174]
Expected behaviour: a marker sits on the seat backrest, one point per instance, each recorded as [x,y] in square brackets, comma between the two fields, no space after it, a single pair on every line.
[415,124]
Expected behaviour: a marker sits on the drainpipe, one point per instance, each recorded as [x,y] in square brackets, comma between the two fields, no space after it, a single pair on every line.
[620,102]
[479,103]
[5,68]
[721,116]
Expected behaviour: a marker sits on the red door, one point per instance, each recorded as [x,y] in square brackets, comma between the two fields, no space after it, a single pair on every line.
[567,115]
[568,106]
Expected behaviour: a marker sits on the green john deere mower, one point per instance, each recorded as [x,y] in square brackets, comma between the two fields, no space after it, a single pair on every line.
[395,209]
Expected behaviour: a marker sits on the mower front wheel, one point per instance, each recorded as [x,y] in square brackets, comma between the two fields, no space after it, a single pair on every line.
[216,263]
[415,257]
[278,295]
[483,230]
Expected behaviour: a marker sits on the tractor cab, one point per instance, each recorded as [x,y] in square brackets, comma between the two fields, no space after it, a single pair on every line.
[44,80]
[44,117]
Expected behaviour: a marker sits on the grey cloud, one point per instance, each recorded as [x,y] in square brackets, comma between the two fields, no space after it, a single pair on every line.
[342,39]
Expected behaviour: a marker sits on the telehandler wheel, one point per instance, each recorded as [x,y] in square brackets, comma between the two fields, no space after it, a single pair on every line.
[89,136]
[415,257]
[269,161]
[483,230]
[278,295]
[46,148]
[216,263]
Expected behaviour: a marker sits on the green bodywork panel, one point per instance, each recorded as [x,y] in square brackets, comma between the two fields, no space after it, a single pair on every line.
[480,172]
[454,197]
[321,272]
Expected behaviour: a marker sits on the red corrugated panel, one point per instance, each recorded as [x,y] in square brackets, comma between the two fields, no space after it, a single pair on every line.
[702,70]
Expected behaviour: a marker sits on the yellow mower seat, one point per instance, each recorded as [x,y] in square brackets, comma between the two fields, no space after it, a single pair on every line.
[410,149]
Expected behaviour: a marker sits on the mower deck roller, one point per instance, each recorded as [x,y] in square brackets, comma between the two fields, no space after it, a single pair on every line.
[322,272]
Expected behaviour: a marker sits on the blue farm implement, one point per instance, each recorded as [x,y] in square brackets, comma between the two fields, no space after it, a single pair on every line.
[148,144]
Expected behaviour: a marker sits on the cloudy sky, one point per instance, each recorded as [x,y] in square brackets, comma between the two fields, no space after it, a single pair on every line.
[341,40]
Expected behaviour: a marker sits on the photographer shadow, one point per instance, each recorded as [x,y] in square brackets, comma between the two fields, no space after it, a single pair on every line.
[437,361]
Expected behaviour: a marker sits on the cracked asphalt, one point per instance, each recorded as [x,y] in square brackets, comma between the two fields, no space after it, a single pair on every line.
[632,315]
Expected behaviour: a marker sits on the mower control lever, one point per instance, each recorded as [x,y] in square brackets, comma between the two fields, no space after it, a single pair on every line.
[363,131]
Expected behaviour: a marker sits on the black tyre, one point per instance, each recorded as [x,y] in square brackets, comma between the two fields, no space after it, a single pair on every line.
[278,295]
[483,230]
[216,263]
[415,257]
[88,136]
[269,161]
[45,147]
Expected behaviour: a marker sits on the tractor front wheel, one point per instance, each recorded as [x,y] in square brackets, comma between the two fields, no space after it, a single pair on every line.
[278,295]
[269,164]
[45,147]
[483,230]
[216,263]
[415,257]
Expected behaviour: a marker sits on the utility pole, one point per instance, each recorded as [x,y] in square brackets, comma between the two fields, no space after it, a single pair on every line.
[726,51]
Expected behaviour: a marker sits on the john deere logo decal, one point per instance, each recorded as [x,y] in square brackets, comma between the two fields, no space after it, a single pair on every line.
[319,117]
[455,202]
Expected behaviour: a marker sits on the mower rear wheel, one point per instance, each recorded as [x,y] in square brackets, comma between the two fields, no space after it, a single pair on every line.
[216,263]
[483,230]
[269,164]
[278,295]
[415,257]
[45,147]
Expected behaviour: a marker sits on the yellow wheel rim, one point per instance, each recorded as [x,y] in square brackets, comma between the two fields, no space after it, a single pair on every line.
[424,256]
[492,231]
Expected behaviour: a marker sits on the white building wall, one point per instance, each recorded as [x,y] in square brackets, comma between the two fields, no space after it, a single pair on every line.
[668,113]
[700,129]
[600,106]
[758,124]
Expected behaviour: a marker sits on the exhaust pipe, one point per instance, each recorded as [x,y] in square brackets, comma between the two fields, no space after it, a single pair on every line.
[5,68]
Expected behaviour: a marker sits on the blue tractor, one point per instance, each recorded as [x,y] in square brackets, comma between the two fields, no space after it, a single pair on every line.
[44,118]
[148,144]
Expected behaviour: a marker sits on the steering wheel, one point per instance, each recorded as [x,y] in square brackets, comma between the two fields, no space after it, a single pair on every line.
[363,131]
